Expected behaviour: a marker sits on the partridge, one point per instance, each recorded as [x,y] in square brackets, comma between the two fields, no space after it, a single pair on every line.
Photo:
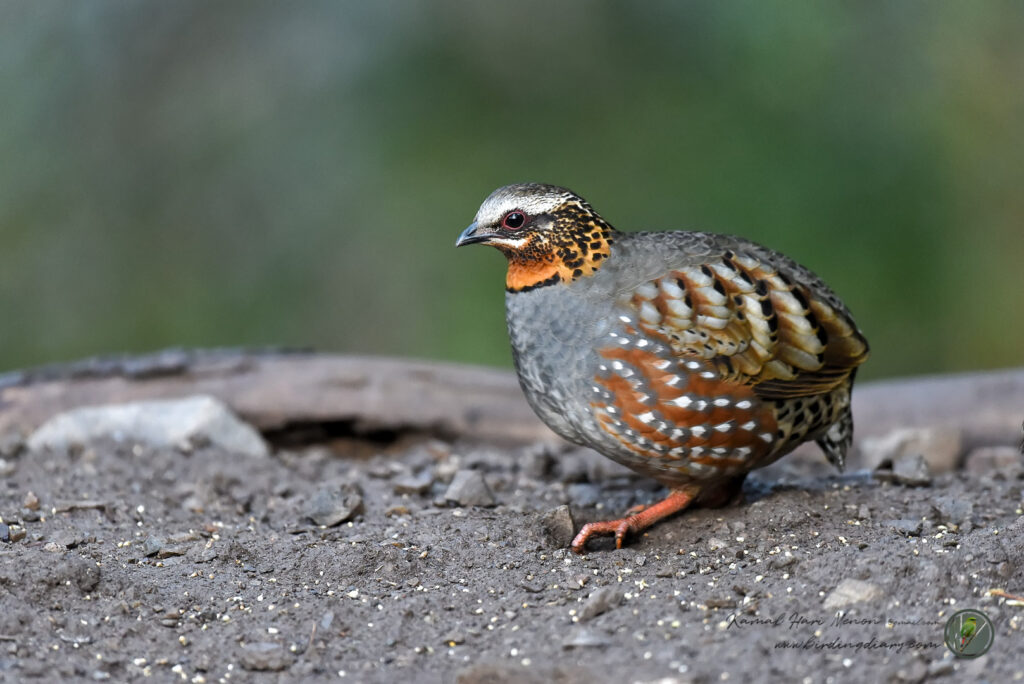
[690,357]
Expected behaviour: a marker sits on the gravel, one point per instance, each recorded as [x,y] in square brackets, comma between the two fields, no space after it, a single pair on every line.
[202,565]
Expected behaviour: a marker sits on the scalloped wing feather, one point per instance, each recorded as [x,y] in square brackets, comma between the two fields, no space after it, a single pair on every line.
[776,327]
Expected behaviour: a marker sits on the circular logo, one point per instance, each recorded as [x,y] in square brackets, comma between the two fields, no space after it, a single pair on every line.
[969,633]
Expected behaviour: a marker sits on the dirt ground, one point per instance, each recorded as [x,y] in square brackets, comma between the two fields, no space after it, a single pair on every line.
[203,566]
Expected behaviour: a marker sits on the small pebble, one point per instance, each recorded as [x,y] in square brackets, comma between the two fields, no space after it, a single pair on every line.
[468,488]
[940,446]
[265,656]
[413,484]
[910,470]
[333,505]
[781,561]
[584,638]
[1006,461]
[558,526]
[953,510]
[906,526]
[453,638]
[601,601]
[717,603]
[152,546]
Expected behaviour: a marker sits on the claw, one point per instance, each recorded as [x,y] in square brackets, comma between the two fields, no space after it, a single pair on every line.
[643,518]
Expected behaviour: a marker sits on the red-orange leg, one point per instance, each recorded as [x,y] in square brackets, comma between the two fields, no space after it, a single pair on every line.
[673,503]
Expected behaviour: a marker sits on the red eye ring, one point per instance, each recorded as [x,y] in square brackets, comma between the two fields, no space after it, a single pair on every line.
[514,220]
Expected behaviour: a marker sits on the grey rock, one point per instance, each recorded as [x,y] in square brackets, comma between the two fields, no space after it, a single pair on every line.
[7,468]
[5,532]
[952,510]
[993,460]
[782,561]
[453,637]
[333,505]
[75,570]
[715,544]
[911,470]
[171,551]
[720,603]
[558,526]
[582,637]
[468,488]
[908,469]
[851,591]
[941,447]
[173,423]
[152,546]
[69,538]
[264,656]
[601,601]
[413,484]
[384,469]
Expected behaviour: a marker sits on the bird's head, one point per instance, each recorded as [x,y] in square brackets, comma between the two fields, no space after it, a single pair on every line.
[549,234]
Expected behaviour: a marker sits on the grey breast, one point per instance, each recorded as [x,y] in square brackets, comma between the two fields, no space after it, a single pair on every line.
[555,330]
[551,330]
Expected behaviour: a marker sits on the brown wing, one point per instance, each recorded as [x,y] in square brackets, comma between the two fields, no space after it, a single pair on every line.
[776,328]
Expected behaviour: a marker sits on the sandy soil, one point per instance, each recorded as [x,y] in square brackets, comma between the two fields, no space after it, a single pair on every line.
[125,563]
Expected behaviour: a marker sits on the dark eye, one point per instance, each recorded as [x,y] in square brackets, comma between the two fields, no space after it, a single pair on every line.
[513,220]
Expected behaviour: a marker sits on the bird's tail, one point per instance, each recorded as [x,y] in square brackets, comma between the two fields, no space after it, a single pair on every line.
[838,439]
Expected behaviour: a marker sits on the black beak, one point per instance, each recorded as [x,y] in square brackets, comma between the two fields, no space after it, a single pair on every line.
[472,236]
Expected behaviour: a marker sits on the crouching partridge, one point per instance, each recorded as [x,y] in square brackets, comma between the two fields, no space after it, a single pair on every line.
[692,358]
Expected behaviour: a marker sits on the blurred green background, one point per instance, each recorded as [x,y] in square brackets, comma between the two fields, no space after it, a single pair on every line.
[251,173]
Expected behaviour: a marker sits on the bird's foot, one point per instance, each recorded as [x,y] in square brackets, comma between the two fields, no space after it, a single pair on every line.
[641,519]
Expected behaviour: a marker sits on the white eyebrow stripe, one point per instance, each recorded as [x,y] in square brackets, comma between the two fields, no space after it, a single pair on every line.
[509,242]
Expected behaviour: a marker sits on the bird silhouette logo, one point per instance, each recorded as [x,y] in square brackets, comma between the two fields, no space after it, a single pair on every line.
[969,633]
